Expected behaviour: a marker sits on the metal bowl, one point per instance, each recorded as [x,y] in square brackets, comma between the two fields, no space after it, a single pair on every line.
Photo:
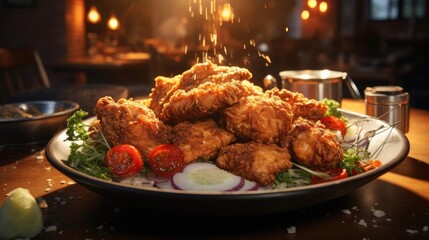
[51,118]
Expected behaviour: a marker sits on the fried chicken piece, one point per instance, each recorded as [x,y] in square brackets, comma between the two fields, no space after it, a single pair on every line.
[312,144]
[209,72]
[259,118]
[254,161]
[159,94]
[200,73]
[302,107]
[206,99]
[131,122]
[201,140]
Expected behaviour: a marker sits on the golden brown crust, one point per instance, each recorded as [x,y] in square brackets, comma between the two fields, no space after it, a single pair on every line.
[201,140]
[131,122]
[301,106]
[311,144]
[254,161]
[259,118]
[206,99]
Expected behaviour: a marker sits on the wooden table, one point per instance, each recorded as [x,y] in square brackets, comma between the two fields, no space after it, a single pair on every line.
[74,212]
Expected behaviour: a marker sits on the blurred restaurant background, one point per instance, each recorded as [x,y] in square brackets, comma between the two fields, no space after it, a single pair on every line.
[130,42]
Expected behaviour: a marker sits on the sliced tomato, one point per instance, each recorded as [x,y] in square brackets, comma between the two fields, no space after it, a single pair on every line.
[371,164]
[335,173]
[166,160]
[334,123]
[124,160]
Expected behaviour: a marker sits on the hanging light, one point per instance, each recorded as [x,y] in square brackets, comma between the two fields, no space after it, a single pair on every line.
[305,14]
[312,3]
[323,7]
[113,23]
[93,15]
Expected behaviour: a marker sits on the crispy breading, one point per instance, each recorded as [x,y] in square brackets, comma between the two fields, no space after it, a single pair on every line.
[206,99]
[254,161]
[131,122]
[260,118]
[160,94]
[200,73]
[200,140]
[209,72]
[311,144]
[301,106]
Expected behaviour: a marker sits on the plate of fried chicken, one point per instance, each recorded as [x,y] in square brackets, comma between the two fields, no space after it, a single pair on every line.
[216,114]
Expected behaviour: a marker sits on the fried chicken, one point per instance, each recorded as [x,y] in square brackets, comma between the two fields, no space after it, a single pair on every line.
[254,161]
[302,107]
[210,72]
[259,118]
[311,144]
[131,122]
[160,94]
[181,91]
[201,140]
[206,99]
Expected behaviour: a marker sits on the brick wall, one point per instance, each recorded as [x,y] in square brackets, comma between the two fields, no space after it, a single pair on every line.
[54,28]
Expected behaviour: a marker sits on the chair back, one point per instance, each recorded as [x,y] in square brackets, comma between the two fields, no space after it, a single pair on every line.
[18,64]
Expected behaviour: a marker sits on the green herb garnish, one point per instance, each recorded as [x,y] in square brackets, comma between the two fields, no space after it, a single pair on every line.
[88,148]
[332,106]
[352,159]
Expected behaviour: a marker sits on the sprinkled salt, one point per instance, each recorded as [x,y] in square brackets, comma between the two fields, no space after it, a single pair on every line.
[425,228]
[51,228]
[63,182]
[291,230]
[346,211]
[412,231]
[379,213]
[363,223]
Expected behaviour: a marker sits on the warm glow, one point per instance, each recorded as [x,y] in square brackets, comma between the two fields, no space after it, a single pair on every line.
[113,23]
[323,7]
[305,15]
[93,15]
[312,3]
[226,13]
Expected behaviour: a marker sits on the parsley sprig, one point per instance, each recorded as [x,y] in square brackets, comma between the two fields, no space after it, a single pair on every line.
[87,148]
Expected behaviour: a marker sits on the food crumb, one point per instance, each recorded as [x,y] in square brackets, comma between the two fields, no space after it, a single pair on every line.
[63,182]
[47,189]
[377,213]
[412,231]
[291,230]
[346,211]
[42,203]
[51,228]
[425,228]
[363,223]
[40,157]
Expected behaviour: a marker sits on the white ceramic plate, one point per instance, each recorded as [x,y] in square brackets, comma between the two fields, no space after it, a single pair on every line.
[390,146]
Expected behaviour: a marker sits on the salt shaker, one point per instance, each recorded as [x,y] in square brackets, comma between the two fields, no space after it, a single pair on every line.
[390,104]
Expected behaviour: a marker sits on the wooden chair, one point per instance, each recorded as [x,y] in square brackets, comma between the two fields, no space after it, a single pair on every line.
[18,68]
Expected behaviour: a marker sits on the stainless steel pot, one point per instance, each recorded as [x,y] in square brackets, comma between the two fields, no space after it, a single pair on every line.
[319,84]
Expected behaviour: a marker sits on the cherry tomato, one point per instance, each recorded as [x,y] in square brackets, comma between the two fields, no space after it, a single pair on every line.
[166,160]
[124,160]
[335,173]
[334,123]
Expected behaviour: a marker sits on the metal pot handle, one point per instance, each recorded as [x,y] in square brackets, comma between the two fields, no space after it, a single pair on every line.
[354,91]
